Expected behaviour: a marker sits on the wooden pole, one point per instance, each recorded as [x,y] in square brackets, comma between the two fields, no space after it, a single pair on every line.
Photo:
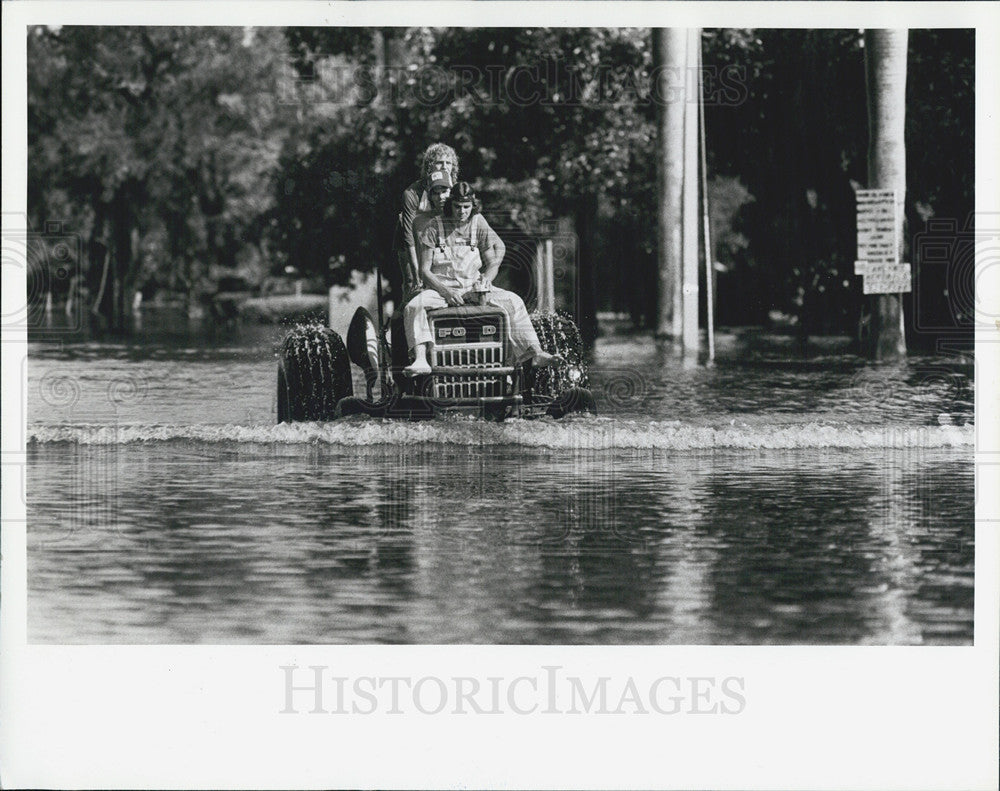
[689,289]
[668,66]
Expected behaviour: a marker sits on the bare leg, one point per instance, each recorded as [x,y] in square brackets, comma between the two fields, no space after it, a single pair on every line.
[419,366]
[523,335]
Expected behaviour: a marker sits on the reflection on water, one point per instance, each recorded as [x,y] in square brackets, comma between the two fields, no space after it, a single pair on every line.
[310,544]
[785,495]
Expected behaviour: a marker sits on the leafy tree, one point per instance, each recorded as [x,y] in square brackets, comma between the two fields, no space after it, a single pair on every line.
[162,142]
[523,108]
[940,178]
[797,139]
[187,152]
[341,174]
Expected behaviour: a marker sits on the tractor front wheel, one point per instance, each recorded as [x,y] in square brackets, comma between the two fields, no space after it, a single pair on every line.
[313,374]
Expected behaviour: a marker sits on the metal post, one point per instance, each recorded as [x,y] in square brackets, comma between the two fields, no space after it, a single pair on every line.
[550,291]
[689,278]
[709,250]
[540,276]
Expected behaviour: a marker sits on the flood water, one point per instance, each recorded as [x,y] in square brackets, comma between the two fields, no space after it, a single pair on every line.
[785,495]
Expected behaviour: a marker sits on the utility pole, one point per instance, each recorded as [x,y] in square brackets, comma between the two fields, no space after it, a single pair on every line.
[669,57]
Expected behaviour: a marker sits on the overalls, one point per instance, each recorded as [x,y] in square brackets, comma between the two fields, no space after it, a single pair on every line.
[459,265]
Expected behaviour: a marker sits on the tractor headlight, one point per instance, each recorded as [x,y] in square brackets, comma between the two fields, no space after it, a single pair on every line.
[574,374]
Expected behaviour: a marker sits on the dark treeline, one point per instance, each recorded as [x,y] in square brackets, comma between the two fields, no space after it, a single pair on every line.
[189,160]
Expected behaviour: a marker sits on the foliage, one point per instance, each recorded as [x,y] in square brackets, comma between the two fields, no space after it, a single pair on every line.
[940,124]
[223,149]
[798,141]
[178,124]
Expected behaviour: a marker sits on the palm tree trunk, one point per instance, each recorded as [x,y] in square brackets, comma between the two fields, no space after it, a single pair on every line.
[885,73]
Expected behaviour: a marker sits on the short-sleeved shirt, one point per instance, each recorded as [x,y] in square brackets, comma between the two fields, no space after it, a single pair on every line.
[414,201]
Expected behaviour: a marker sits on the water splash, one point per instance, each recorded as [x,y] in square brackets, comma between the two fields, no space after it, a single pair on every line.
[315,362]
[583,433]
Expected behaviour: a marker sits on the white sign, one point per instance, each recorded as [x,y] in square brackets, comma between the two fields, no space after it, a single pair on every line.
[878,244]
[885,278]
[877,232]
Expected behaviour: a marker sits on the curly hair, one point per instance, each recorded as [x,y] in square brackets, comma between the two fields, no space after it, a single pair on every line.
[436,152]
[462,192]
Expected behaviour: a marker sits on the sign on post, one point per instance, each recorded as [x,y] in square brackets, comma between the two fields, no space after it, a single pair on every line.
[886,279]
[878,258]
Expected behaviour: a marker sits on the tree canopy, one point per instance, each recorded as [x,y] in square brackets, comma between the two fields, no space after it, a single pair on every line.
[197,152]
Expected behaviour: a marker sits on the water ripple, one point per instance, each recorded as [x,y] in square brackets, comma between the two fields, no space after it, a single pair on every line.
[585,432]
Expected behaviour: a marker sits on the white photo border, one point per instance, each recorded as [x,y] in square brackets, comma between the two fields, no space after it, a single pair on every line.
[209,716]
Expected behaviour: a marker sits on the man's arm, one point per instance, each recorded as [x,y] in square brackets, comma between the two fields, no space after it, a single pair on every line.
[411,204]
[493,249]
[414,264]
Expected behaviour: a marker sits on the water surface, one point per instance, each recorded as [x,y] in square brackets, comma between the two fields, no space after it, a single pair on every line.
[786,495]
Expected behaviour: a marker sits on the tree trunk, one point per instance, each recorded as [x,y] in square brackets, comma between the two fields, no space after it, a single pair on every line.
[885,73]
[585,220]
[97,263]
[121,259]
[669,52]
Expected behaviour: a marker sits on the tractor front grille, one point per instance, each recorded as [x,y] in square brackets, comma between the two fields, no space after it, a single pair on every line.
[468,387]
[469,372]
[469,358]
[478,356]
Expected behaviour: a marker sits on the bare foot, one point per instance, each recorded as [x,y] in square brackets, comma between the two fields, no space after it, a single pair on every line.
[542,359]
[417,368]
